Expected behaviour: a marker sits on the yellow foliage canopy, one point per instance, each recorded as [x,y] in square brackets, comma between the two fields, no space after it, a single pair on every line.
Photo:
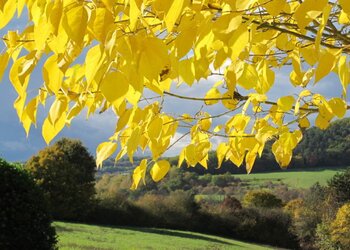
[136,46]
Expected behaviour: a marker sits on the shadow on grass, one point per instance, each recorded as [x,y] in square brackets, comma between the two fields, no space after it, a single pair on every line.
[178,234]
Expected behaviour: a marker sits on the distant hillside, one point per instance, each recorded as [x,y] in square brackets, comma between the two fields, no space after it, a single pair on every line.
[123,166]
[330,147]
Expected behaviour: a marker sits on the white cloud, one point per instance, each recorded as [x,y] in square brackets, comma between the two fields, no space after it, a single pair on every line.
[14,146]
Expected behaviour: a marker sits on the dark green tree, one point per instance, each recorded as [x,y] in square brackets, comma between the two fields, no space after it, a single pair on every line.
[340,185]
[25,222]
[66,173]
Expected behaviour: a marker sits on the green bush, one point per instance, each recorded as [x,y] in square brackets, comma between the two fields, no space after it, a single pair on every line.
[66,173]
[173,210]
[340,185]
[263,199]
[25,222]
[323,237]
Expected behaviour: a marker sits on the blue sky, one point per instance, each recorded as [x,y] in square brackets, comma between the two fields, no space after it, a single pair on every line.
[15,146]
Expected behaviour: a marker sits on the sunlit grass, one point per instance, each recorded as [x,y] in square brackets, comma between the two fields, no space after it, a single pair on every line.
[88,237]
[294,179]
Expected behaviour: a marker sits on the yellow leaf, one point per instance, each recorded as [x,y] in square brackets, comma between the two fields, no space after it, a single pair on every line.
[73,112]
[239,122]
[321,122]
[52,74]
[41,33]
[239,41]
[139,173]
[343,73]
[305,93]
[19,105]
[325,17]
[204,162]
[109,4]
[218,128]
[344,18]
[202,150]
[285,103]
[283,147]
[221,152]
[103,151]
[159,170]
[249,77]
[7,14]
[244,4]
[4,59]
[93,61]
[283,156]
[187,71]
[185,41]
[304,123]
[42,96]
[282,41]
[133,143]
[345,4]
[338,107]
[265,132]
[326,64]
[154,129]
[58,107]
[308,11]
[310,54]
[75,23]
[124,119]
[114,87]
[229,103]
[20,72]
[102,24]
[181,157]
[26,122]
[266,78]
[276,115]
[190,155]
[153,58]
[205,124]
[236,154]
[173,14]
[274,7]
[49,131]
[249,160]
[55,16]
[134,14]
[213,93]
[31,109]
[121,153]
[187,118]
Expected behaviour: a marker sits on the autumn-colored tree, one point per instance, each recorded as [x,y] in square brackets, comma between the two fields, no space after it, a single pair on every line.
[260,198]
[341,227]
[66,173]
[136,47]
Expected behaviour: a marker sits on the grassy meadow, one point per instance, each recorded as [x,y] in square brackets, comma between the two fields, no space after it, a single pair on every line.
[88,237]
[294,179]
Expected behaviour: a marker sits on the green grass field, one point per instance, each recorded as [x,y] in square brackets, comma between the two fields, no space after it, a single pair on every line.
[295,179]
[80,236]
